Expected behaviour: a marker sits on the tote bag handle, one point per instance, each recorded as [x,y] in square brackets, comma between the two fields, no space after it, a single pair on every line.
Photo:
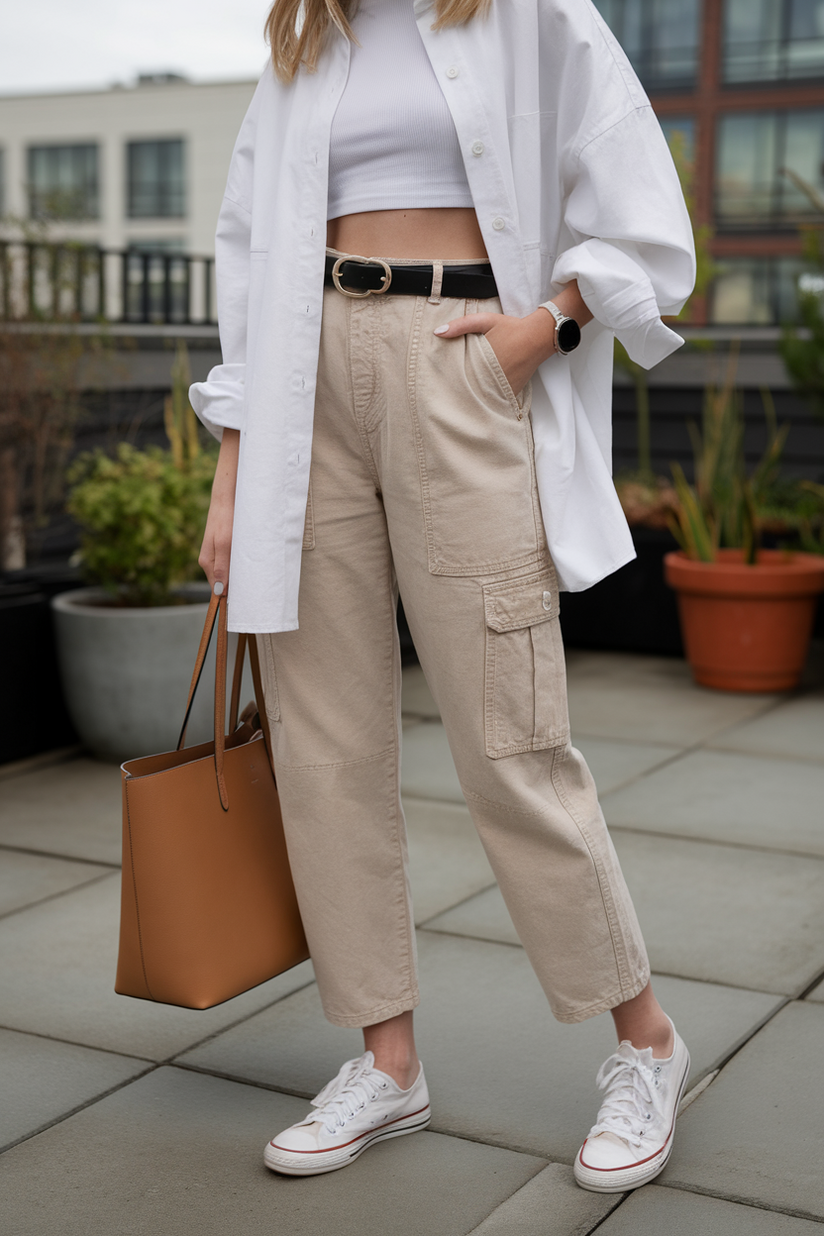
[217,613]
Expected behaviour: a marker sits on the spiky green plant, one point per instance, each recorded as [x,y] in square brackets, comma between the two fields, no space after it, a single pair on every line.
[803,350]
[720,510]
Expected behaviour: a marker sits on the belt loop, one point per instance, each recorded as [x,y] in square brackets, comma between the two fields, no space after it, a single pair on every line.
[437,281]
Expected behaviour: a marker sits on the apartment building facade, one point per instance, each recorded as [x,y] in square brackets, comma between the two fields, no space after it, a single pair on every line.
[141,167]
[743,81]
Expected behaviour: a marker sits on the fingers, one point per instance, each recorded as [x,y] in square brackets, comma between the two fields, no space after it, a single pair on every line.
[472,324]
[214,559]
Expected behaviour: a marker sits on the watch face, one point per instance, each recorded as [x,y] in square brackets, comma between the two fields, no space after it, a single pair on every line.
[569,335]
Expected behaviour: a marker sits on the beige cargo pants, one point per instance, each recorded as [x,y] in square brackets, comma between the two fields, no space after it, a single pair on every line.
[423,478]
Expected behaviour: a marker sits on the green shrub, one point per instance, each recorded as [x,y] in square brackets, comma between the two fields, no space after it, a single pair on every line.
[142,513]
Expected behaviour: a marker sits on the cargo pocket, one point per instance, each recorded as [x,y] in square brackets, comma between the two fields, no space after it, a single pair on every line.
[525,701]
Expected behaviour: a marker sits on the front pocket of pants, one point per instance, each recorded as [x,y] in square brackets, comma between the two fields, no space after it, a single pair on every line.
[525,696]
[518,401]
[474,448]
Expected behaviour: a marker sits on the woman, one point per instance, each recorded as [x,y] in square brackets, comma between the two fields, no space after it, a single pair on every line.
[452,396]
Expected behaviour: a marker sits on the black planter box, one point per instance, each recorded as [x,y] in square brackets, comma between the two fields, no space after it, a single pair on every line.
[33,717]
[632,610]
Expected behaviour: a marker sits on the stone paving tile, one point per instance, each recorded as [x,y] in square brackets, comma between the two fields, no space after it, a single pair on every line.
[499,1068]
[725,796]
[416,697]
[650,699]
[427,770]
[25,878]
[176,1153]
[482,917]
[446,859]
[41,1080]
[711,912]
[613,763]
[817,993]
[756,1133]
[57,967]
[551,1204]
[794,729]
[653,1211]
[73,808]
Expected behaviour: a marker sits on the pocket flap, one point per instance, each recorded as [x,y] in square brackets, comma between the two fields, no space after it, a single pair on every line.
[521,602]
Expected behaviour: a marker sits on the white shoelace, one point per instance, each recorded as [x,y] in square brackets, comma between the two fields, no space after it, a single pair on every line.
[633,1099]
[345,1095]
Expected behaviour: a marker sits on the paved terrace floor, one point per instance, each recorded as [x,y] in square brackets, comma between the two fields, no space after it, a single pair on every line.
[123,1117]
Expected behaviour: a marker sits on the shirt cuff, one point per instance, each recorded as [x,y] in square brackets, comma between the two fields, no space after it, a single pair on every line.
[649,341]
[219,401]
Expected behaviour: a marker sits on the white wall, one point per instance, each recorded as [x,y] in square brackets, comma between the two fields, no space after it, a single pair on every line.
[207,116]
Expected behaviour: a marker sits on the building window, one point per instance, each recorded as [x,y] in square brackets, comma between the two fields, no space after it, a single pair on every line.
[754,148]
[659,36]
[769,40]
[63,182]
[756,291]
[156,187]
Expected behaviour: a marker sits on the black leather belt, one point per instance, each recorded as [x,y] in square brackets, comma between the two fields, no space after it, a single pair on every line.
[360,277]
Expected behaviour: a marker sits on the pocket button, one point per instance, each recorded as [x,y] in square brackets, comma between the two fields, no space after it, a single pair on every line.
[547,600]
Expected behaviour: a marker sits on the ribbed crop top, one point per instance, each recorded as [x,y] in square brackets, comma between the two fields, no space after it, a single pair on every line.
[393,143]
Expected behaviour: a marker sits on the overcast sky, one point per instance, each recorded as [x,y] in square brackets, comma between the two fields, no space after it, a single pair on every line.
[54,44]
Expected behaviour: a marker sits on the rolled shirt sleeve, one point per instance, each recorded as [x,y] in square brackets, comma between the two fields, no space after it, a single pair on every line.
[220,401]
[631,247]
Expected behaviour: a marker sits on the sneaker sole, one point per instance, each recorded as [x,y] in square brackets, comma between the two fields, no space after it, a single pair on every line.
[617,1181]
[315,1164]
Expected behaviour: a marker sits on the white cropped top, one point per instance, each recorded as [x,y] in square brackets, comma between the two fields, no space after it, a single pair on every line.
[393,142]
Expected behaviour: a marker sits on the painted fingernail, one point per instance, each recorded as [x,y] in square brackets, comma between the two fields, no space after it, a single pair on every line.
[441,330]
[219,589]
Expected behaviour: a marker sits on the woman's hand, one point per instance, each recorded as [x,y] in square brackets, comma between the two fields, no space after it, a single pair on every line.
[217,539]
[521,344]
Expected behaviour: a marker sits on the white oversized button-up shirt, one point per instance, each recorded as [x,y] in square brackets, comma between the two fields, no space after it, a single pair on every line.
[571,179]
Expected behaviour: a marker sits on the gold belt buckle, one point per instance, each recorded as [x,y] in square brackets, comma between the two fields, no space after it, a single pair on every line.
[386,278]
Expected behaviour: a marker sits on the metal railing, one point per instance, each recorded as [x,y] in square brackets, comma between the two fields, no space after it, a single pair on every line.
[70,282]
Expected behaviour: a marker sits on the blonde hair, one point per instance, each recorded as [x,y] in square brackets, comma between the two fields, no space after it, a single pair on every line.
[296,29]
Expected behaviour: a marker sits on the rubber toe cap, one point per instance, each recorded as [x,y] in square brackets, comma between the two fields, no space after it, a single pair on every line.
[300,1139]
[606,1151]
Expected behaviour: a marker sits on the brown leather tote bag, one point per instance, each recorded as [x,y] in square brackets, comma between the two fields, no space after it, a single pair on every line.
[208,908]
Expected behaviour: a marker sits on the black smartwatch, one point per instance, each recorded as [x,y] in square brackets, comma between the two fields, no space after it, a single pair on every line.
[567,330]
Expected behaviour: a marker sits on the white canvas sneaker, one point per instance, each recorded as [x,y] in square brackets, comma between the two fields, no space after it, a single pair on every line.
[359,1107]
[631,1140]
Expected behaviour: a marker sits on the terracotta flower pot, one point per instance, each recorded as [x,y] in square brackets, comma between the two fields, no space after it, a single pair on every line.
[746,628]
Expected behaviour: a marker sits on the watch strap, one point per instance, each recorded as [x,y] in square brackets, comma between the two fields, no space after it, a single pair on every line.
[555,311]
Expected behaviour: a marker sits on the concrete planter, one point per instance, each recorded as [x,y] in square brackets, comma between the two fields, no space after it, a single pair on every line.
[126,672]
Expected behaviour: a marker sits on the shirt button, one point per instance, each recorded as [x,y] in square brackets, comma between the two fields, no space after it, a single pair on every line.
[452,71]
[477,148]
[498,223]
[547,600]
